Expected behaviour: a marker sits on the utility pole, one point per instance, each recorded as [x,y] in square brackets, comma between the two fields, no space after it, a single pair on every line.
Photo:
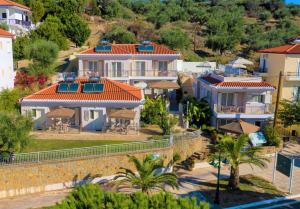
[277,99]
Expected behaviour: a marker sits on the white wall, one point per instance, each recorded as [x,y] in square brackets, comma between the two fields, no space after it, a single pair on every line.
[7,74]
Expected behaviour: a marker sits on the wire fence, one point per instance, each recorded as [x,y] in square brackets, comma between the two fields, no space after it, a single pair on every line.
[104,150]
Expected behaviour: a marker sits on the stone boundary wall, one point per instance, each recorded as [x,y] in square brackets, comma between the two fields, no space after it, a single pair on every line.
[48,176]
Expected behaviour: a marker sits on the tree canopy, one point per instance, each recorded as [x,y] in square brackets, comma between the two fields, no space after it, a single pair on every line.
[93,197]
[14,132]
[289,113]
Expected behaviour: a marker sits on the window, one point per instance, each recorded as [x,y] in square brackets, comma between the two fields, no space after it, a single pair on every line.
[296,93]
[227,99]
[163,66]
[141,68]
[298,69]
[33,113]
[258,98]
[92,114]
[264,64]
[4,15]
[116,69]
[93,65]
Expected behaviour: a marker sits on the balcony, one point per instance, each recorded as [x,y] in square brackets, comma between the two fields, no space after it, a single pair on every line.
[292,76]
[147,74]
[25,24]
[249,109]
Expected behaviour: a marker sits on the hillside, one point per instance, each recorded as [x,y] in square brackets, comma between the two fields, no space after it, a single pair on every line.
[215,30]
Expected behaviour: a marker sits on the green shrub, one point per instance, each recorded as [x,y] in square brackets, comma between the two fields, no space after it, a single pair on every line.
[272,136]
[93,197]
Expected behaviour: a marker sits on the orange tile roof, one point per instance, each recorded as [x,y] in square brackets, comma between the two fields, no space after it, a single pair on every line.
[132,49]
[241,84]
[284,49]
[5,33]
[113,91]
[11,3]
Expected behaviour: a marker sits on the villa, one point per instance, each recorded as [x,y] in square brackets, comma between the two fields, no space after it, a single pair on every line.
[135,64]
[285,58]
[88,104]
[16,16]
[7,73]
[233,97]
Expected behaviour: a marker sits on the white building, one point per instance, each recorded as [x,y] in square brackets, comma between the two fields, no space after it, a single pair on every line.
[196,68]
[16,16]
[237,97]
[7,73]
[136,64]
[92,102]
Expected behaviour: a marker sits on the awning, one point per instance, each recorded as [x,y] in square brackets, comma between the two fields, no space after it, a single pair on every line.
[61,112]
[163,85]
[122,114]
[240,127]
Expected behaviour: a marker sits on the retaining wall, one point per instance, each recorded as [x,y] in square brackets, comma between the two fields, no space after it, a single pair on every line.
[39,177]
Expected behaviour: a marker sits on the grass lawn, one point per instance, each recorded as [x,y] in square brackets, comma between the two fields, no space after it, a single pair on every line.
[252,188]
[55,144]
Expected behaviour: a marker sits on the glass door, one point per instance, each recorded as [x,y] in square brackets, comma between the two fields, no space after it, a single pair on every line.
[116,69]
[140,68]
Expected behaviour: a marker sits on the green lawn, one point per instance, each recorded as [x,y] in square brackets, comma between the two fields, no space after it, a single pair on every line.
[55,144]
[252,188]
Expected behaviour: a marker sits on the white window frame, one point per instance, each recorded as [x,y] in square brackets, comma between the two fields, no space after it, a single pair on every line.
[116,69]
[93,66]
[166,63]
[139,68]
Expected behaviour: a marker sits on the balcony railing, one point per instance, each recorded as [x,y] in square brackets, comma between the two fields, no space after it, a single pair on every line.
[292,76]
[247,109]
[136,73]
[26,24]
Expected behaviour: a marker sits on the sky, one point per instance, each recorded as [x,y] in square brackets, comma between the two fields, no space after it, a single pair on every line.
[292,1]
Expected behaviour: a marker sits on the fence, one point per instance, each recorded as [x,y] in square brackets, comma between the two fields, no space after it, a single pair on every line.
[104,150]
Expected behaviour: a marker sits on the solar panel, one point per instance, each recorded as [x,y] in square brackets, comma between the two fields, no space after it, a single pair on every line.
[146,48]
[88,87]
[98,87]
[103,48]
[63,87]
[73,87]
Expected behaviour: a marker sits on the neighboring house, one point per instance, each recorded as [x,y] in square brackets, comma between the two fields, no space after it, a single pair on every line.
[240,97]
[136,64]
[7,73]
[91,101]
[285,58]
[16,16]
[196,68]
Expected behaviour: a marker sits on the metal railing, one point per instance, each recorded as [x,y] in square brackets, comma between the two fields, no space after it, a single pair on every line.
[292,76]
[104,150]
[135,73]
[247,109]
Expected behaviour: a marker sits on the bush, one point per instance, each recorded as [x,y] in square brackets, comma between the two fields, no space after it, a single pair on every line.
[4,26]
[175,38]
[265,15]
[93,197]
[272,136]
[43,55]
[121,35]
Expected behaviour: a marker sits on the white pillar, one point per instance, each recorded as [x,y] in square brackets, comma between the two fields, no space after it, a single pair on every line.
[80,67]
[7,16]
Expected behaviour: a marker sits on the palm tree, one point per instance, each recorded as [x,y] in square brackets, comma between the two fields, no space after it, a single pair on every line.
[147,176]
[234,152]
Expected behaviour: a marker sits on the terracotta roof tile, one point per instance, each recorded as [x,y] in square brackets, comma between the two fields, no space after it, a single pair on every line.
[132,49]
[218,83]
[5,33]
[284,49]
[113,91]
[11,3]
